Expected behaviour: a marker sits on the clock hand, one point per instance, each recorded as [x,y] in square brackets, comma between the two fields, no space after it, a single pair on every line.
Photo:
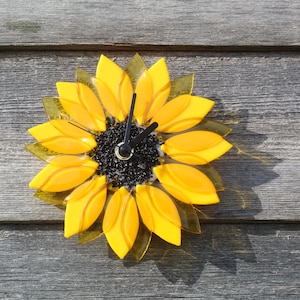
[129,120]
[143,134]
[124,149]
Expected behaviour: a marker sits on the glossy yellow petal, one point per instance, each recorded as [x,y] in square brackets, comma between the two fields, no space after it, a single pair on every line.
[90,101]
[68,91]
[181,113]
[68,128]
[144,91]
[161,87]
[187,184]
[109,101]
[121,222]
[114,87]
[81,103]
[53,139]
[84,205]
[64,173]
[159,213]
[78,113]
[196,147]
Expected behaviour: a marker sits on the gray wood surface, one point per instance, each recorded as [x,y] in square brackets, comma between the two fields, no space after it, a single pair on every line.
[225,262]
[132,23]
[250,245]
[259,91]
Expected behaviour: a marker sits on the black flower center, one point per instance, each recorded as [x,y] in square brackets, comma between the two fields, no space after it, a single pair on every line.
[128,173]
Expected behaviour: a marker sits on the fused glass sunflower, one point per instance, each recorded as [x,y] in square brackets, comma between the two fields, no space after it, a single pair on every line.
[128,155]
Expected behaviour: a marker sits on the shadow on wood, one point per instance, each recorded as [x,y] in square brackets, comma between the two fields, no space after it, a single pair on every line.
[223,245]
[241,170]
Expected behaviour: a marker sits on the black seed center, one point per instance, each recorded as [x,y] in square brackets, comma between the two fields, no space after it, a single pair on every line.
[133,171]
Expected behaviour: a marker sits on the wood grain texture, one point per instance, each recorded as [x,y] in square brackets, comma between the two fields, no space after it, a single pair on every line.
[142,22]
[225,262]
[259,91]
[250,245]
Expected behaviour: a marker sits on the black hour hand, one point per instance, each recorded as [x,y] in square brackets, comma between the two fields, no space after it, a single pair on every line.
[143,134]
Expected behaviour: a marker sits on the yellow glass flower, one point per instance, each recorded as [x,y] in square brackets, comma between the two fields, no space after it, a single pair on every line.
[128,155]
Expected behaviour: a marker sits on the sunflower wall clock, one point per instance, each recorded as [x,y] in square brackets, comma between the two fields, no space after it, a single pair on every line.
[128,154]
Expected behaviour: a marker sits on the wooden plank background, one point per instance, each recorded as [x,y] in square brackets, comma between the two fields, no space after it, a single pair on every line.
[245,56]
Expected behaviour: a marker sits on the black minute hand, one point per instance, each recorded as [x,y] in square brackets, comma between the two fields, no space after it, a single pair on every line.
[143,134]
[125,148]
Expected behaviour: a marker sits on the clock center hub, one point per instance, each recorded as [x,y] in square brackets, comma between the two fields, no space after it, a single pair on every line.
[122,166]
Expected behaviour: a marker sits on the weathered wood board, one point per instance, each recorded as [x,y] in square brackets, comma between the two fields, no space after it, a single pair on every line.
[245,56]
[225,262]
[160,23]
[261,92]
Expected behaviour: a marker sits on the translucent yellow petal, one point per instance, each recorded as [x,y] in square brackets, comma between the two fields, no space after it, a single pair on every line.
[159,213]
[84,205]
[57,199]
[90,101]
[54,109]
[187,184]
[189,218]
[196,147]
[68,91]
[181,85]
[53,139]
[144,91]
[63,173]
[110,76]
[181,113]
[41,152]
[135,69]
[142,242]
[121,222]
[214,126]
[80,115]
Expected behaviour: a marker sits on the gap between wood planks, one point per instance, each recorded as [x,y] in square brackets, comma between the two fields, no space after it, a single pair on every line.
[151,48]
[202,221]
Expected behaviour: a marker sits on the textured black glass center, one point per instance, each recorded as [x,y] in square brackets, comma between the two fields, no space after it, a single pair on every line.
[138,168]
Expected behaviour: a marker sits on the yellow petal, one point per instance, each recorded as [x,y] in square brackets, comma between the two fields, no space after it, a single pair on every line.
[90,101]
[121,222]
[80,115]
[67,128]
[144,91]
[181,113]
[84,205]
[53,139]
[68,91]
[159,213]
[64,173]
[114,87]
[109,101]
[196,147]
[161,87]
[187,184]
